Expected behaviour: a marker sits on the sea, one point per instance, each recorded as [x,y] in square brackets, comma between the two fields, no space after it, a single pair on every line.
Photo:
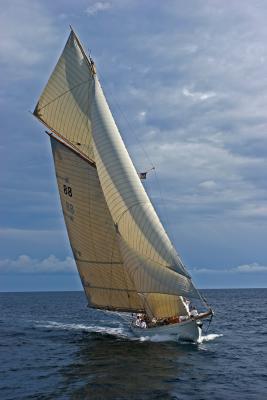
[52,346]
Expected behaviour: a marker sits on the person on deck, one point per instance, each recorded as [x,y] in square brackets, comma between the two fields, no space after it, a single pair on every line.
[183,318]
[186,303]
[193,312]
[138,321]
[143,324]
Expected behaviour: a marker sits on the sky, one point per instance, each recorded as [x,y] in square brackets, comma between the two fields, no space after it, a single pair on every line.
[187,85]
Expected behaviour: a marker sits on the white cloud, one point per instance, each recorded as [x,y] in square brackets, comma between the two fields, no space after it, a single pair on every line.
[141,116]
[198,95]
[254,210]
[25,264]
[242,269]
[250,268]
[97,7]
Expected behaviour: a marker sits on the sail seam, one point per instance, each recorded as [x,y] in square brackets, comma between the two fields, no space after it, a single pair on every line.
[129,208]
[86,284]
[99,262]
[60,95]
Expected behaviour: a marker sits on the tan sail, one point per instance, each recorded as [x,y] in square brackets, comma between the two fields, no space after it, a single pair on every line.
[64,103]
[151,277]
[163,305]
[159,288]
[92,234]
[124,256]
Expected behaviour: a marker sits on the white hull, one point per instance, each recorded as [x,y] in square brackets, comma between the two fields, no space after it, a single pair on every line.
[188,331]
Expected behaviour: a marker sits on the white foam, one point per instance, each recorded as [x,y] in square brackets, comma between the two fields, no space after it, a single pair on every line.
[210,337]
[157,338]
[119,331]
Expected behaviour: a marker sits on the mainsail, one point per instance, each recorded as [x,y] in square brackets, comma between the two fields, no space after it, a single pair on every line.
[123,254]
[92,233]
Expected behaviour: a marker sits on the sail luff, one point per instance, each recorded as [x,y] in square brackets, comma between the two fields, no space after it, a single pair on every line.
[86,57]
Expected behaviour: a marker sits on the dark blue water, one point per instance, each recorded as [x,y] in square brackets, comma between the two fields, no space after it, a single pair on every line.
[53,347]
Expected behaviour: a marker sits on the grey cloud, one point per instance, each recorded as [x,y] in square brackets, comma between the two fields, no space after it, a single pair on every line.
[241,269]
[27,34]
[206,47]
[27,265]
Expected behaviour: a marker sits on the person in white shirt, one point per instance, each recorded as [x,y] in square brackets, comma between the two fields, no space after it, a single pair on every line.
[186,303]
[143,324]
[183,318]
[193,312]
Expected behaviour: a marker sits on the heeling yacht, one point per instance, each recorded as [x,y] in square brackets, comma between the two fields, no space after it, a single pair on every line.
[125,258]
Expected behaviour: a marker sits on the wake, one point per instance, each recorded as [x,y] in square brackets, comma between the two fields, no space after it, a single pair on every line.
[120,332]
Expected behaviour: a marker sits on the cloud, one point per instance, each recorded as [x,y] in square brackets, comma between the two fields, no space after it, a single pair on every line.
[250,268]
[97,7]
[29,234]
[198,71]
[27,34]
[27,265]
[198,95]
[242,269]
[141,116]
[207,185]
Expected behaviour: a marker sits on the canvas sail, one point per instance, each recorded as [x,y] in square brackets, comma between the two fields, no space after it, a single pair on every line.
[64,103]
[129,205]
[123,254]
[92,234]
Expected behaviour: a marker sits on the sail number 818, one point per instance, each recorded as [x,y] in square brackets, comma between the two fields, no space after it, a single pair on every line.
[67,190]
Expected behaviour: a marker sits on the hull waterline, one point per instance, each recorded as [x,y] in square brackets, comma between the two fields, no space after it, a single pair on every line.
[185,331]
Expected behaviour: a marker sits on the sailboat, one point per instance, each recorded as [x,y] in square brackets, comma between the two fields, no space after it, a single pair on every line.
[124,256]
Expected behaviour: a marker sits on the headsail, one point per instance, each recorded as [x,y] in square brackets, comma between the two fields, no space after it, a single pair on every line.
[126,198]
